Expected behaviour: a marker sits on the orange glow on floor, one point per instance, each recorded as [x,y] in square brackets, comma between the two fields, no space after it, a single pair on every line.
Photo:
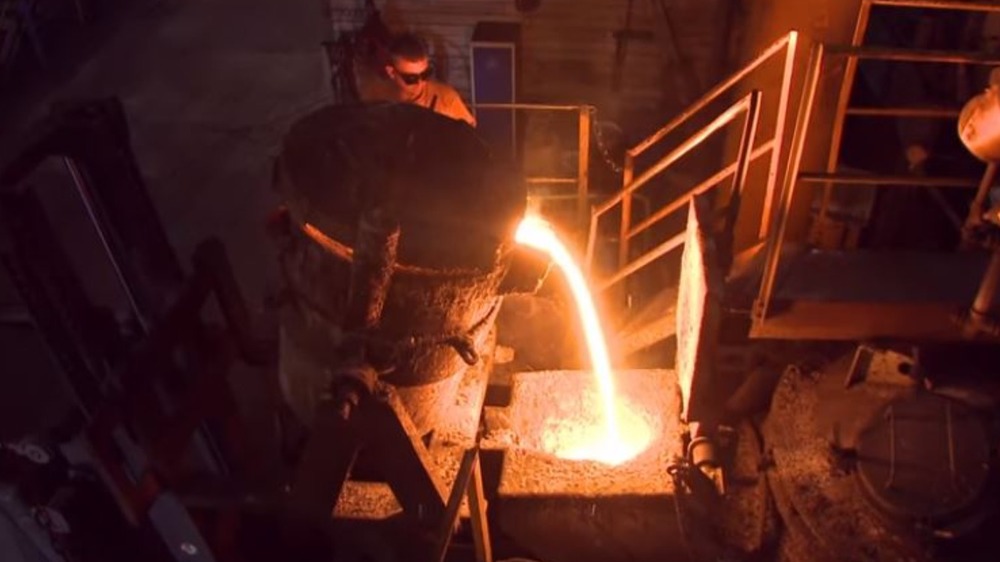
[621,437]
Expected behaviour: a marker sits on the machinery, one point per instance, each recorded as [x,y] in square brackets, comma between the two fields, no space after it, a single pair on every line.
[419,397]
[394,420]
[378,366]
[395,252]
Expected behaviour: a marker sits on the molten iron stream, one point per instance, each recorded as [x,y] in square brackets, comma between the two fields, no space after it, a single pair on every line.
[612,445]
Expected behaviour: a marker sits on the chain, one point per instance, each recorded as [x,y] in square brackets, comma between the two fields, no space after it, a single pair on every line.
[602,146]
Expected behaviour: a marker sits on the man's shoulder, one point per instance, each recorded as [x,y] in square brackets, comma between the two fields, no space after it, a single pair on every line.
[443,90]
[449,102]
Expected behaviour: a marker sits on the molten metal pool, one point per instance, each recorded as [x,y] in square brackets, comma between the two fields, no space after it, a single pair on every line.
[585,511]
[555,416]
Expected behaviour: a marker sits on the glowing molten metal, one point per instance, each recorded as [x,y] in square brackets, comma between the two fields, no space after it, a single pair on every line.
[614,443]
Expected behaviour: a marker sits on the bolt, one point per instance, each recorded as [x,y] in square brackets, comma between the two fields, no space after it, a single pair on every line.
[36,454]
[189,549]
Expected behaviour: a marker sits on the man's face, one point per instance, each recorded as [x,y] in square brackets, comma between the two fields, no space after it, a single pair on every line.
[410,76]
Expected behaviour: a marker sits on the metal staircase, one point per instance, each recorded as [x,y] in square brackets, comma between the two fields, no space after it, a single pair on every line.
[848,294]
[827,288]
[653,320]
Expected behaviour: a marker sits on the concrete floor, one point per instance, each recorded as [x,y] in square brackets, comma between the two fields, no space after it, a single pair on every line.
[208,88]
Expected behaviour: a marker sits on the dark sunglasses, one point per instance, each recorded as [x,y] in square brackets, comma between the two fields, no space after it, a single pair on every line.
[411,79]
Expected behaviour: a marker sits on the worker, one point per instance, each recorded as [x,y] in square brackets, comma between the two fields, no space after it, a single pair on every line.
[409,72]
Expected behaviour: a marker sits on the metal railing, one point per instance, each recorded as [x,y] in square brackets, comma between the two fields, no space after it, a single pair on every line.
[581,180]
[750,105]
[853,53]
[857,51]
[775,238]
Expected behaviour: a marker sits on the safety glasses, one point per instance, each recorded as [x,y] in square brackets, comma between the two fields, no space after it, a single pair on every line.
[411,79]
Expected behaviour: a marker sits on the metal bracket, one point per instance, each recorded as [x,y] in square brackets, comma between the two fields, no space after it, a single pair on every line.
[884,366]
[380,425]
[468,486]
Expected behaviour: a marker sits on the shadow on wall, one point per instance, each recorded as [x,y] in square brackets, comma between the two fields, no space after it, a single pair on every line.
[393,17]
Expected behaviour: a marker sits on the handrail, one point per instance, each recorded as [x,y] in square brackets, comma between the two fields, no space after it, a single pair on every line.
[787,44]
[940,5]
[889,181]
[850,70]
[775,237]
[539,106]
[697,190]
[897,54]
[548,180]
[676,154]
[625,194]
[642,261]
[926,112]
[749,106]
[582,179]
[789,39]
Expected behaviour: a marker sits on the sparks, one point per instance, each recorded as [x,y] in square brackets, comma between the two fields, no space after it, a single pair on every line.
[609,448]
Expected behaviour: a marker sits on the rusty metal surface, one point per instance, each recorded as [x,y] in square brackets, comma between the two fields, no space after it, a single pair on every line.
[458,496]
[456,209]
[305,374]
[553,405]
[455,432]
[374,259]
[427,403]
[455,203]
[381,428]
[698,311]
[403,459]
[422,314]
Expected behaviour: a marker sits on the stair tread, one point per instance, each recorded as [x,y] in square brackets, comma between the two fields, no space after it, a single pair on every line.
[882,276]
[852,321]
[872,294]
[885,180]
[850,289]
